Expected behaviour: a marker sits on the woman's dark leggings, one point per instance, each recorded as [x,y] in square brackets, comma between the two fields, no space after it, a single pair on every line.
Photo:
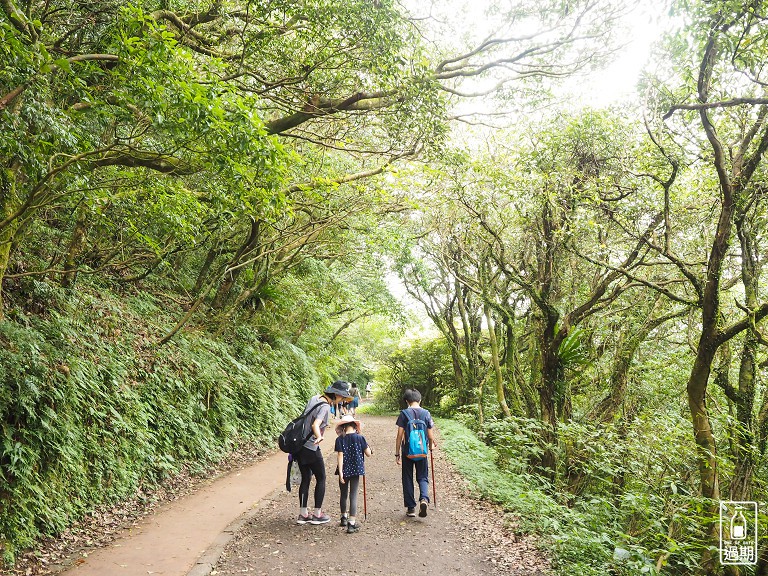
[310,464]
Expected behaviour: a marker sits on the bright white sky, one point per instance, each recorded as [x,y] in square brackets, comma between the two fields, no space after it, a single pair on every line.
[617,82]
[456,20]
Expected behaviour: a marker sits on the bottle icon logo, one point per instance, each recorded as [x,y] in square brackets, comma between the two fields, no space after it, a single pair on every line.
[738,533]
[738,524]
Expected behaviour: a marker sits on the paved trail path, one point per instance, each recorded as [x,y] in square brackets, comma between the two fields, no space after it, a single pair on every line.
[244,523]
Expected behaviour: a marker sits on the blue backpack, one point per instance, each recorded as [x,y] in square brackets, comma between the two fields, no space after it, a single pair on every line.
[416,445]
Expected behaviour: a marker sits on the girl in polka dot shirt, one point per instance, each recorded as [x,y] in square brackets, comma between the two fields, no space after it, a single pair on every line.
[351,450]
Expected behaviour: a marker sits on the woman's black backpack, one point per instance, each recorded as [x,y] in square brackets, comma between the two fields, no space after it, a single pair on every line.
[297,432]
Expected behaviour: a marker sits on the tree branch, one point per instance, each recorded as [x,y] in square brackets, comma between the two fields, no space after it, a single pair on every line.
[13,94]
[319,108]
[18,19]
[145,159]
[730,331]
[710,105]
[318,182]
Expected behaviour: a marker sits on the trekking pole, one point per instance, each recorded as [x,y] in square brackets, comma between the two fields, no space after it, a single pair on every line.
[434,487]
[365,500]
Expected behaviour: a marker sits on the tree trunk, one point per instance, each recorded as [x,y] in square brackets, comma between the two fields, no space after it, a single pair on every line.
[605,411]
[7,233]
[743,455]
[762,426]
[705,441]
[495,360]
[69,276]
[464,381]
[470,339]
[550,374]
[702,430]
[234,269]
[534,361]
[5,257]
[527,397]
[202,275]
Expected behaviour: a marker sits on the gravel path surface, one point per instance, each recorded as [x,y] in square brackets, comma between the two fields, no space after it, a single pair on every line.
[461,536]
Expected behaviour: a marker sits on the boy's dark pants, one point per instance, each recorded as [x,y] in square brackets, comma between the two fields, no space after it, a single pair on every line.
[422,477]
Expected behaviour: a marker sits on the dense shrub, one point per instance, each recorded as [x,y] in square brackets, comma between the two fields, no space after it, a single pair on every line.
[623,503]
[91,409]
[425,366]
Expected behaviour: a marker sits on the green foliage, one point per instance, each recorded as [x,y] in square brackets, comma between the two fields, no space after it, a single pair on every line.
[577,543]
[609,528]
[425,366]
[572,353]
[375,409]
[90,411]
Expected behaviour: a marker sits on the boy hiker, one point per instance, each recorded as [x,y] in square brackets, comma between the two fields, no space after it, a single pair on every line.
[351,448]
[417,421]
[310,457]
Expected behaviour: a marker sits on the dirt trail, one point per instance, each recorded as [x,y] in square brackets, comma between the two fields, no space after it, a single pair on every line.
[461,537]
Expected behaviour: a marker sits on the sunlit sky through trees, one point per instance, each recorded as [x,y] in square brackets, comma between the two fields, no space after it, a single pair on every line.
[472,21]
[458,24]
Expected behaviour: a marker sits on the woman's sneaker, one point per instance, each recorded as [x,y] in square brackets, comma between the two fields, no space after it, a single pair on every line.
[322,519]
[411,512]
[423,509]
[343,521]
[302,519]
[352,528]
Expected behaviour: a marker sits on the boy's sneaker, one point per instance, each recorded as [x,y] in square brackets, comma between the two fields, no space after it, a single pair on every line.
[343,521]
[352,528]
[322,519]
[411,512]
[423,509]
[302,519]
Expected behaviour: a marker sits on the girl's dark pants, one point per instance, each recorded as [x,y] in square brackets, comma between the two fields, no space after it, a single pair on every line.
[422,477]
[349,490]
[311,462]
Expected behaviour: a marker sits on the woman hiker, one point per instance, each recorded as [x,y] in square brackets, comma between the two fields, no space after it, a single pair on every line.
[310,457]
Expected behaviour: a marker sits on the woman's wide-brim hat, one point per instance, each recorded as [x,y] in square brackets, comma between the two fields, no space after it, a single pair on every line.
[339,388]
[346,420]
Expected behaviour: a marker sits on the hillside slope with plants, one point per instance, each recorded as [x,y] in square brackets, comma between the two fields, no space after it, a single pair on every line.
[93,410]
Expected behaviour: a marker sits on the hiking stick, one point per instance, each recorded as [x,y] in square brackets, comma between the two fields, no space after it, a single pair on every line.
[365,500]
[434,487]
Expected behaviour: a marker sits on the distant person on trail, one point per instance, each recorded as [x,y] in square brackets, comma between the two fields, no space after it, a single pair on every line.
[351,450]
[368,389]
[310,457]
[355,391]
[413,411]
